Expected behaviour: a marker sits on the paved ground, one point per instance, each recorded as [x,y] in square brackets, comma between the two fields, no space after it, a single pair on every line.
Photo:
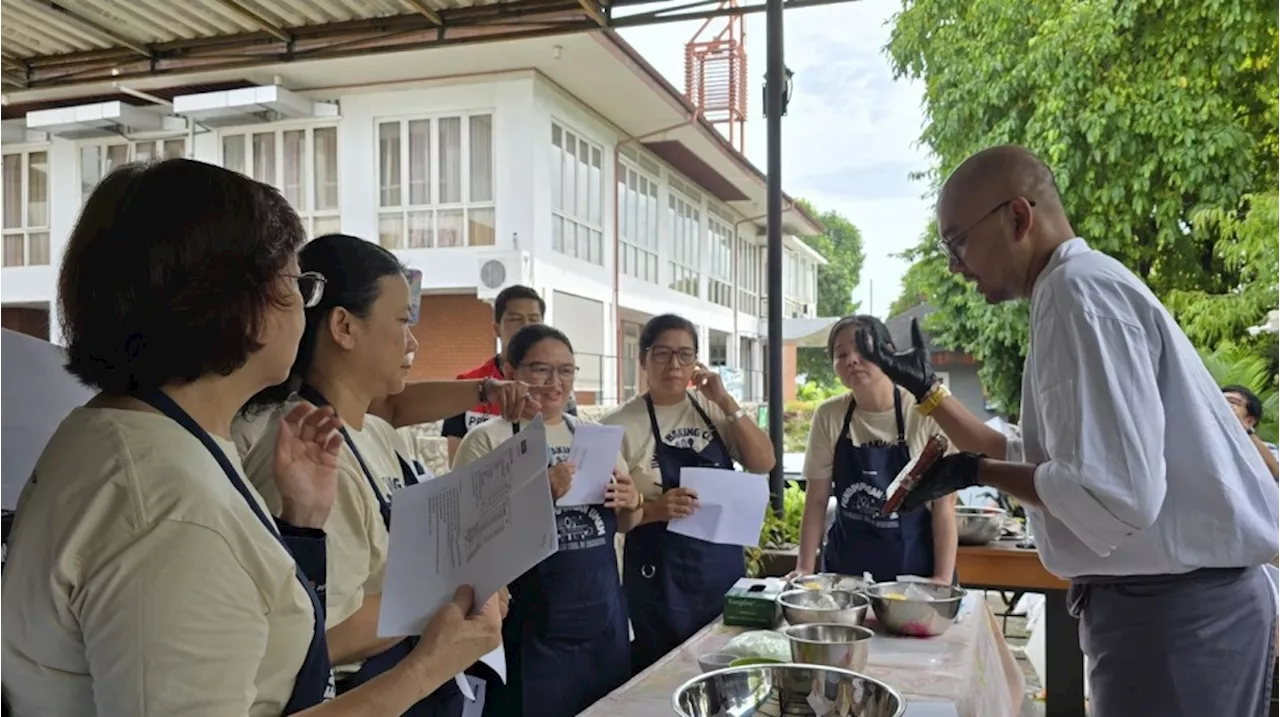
[1016,636]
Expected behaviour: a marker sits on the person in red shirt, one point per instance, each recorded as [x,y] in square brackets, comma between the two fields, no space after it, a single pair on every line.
[515,307]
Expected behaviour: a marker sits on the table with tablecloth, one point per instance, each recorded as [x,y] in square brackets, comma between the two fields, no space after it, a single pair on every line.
[970,666]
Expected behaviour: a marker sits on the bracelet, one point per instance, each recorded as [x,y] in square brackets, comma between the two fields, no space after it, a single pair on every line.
[933,399]
[639,500]
[483,391]
[733,417]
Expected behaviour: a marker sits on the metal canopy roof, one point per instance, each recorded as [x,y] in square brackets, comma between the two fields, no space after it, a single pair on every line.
[46,43]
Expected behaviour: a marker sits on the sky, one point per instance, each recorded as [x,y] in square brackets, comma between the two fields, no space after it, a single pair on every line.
[849,139]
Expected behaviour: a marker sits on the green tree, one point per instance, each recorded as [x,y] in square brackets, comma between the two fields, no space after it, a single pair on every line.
[841,244]
[1158,117]
[1233,365]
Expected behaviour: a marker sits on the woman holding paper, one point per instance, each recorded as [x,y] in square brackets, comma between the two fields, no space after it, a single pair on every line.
[145,576]
[357,346]
[859,442]
[675,584]
[566,637]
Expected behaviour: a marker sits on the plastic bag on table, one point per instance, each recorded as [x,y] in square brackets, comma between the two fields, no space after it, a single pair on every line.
[760,643]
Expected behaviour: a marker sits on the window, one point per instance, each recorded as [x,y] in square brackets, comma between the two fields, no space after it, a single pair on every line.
[748,258]
[720,237]
[435,182]
[638,224]
[26,209]
[577,196]
[685,247]
[98,159]
[302,163]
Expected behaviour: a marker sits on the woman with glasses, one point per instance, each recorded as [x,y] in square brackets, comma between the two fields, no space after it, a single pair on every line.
[858,443]
[357,346]
[675,585]
[146,575]
[566,636]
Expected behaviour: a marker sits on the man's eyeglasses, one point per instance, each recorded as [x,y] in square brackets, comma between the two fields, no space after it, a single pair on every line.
[544,371]
[311,286]
[664,354]
[954,245]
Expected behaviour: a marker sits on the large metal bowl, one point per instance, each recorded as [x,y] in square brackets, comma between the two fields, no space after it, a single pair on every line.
[916,618]
[801,607]
[843,646]
[786,690]
[978,525]
[829,581]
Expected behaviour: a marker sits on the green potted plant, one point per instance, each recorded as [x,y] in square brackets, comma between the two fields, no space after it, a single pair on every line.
[779,537]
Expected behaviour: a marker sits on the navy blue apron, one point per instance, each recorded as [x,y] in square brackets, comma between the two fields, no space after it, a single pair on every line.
[566,630]
[314,682]
[860,539]
[447,700]
[675,584]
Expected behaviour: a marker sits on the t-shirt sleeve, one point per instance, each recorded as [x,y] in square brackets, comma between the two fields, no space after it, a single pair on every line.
[454,426]
[173,626]
[352,553]
[819,455]
[475,445]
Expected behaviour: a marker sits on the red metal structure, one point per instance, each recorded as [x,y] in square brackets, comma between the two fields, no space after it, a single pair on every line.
[715,72]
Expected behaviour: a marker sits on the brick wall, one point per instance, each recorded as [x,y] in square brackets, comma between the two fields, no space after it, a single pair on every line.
[455,335]
[32,322]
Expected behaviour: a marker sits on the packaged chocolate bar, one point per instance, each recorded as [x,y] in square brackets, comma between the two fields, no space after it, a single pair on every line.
[909,476]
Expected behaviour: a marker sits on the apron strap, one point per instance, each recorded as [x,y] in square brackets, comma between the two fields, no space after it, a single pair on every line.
[715,435]
[897,410]
[314,396]
[848,417]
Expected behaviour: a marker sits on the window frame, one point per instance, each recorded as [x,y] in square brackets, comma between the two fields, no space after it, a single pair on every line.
[562,217]
[641,256]
[679,270]
[31,234]
[720,286]
[316,222]
[406,209]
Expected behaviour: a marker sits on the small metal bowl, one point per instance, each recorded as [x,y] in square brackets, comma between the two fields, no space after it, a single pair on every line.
[843,646]
[801,607]
[790,690]
[977,525]
[713,661]
[916,618]
[829,581]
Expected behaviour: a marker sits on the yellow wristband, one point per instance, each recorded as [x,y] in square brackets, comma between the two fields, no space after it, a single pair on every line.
[933,399]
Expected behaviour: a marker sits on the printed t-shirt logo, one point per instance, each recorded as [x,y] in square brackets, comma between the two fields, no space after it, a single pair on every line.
[694,437]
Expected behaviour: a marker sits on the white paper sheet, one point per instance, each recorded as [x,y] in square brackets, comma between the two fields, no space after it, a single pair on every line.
[38,393]
[733,506]
[482,525]
[594,454]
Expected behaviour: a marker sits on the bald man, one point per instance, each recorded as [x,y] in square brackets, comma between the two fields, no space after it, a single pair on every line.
[1139,485]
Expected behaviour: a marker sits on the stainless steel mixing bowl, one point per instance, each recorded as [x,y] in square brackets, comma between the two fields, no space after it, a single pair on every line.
[829,581]
[978,525]
[843,646]
[916,617]
[801,607]
[786,691]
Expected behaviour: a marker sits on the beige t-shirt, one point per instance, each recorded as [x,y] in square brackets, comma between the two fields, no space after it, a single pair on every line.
[864,427]
[577,526]
[356,535]
[681,426]
[139,581]
[246,431]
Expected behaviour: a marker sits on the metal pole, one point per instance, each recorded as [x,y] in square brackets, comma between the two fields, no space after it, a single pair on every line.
[775,83]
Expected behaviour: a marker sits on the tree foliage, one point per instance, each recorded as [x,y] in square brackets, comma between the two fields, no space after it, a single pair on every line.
[1159,119]
[841,244]
[1232,365]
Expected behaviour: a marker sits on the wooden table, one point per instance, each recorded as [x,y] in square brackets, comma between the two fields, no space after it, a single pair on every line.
[1004,566]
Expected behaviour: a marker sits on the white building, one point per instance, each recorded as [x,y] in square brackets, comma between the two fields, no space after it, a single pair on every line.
[566,163]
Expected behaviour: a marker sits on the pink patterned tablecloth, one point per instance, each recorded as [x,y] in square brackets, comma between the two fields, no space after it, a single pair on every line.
[969,666]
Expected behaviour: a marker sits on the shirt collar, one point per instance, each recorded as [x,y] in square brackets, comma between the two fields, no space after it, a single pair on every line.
[1065,250]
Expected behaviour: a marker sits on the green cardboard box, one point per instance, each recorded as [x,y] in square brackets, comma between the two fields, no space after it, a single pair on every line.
[754,603]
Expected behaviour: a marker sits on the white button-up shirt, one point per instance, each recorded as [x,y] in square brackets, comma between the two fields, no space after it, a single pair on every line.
[1141,466]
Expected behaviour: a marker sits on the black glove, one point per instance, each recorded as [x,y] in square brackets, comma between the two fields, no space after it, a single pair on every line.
[909,369]
[950,474]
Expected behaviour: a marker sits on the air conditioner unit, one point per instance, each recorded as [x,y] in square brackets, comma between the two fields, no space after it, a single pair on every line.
[499,269]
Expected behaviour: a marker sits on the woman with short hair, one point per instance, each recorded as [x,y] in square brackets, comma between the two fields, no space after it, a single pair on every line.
[145,575]
[675,584]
